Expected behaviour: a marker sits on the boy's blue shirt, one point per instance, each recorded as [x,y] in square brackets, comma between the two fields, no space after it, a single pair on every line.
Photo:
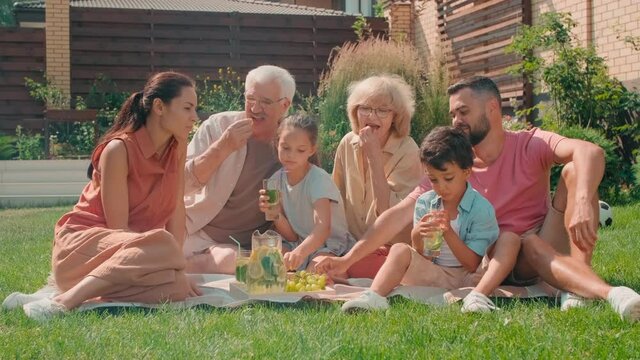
[476,217]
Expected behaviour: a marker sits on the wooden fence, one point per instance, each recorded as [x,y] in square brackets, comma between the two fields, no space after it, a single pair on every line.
[474,35]
[21,55]
[128,45]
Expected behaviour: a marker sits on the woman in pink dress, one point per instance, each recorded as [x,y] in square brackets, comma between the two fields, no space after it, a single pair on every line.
[123,239]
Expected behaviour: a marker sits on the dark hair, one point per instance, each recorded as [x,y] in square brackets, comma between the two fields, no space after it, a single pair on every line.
[478,84]
[133,114]
[446,144]
[309,125]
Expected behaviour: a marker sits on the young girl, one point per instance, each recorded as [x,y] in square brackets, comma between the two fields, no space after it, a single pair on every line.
[123,239]
[465,218]
[312,218]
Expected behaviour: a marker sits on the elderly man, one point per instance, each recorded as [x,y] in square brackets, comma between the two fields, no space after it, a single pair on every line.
[227,159]
[541,237]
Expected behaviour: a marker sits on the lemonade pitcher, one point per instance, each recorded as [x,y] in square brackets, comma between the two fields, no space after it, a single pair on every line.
[266,272]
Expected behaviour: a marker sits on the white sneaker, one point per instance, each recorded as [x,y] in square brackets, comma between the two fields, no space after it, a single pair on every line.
[625,302]
[369,300]
[569,300]
[17,299]
[477,302]
[43,309]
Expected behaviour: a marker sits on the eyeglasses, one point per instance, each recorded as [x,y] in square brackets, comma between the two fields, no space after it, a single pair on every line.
[264,102]
[380,113]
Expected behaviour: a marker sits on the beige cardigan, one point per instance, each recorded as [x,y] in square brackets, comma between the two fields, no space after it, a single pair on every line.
[204,201]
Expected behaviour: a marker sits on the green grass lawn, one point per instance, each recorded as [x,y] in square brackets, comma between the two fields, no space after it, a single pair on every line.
[315,330]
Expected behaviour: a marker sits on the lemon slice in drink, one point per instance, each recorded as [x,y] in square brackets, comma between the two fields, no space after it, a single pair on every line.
[254,270]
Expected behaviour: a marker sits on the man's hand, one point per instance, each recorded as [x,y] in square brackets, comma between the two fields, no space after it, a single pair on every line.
[237,134]
[581,228]
[332,266]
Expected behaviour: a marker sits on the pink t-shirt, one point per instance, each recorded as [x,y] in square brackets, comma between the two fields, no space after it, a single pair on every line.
[517,183]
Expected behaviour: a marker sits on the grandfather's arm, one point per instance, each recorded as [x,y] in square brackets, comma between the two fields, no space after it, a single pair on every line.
[205,157]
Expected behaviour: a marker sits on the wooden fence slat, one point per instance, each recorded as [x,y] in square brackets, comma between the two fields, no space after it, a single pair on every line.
[472,43]
[493,6]
[10,35]
[474,36]
[129,45]
[483,21]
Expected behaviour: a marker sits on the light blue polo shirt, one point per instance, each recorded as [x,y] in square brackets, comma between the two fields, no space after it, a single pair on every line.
[476,217]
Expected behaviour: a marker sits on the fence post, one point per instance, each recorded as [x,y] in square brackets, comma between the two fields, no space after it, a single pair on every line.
[234,30]
[315,51]
[152,40]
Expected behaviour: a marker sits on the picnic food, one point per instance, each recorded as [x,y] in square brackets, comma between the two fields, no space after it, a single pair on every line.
[306,281]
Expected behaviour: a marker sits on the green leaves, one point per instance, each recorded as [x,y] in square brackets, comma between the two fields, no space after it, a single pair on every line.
[582,92]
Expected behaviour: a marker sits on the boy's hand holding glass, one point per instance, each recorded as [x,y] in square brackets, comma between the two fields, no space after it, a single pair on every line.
[432,227]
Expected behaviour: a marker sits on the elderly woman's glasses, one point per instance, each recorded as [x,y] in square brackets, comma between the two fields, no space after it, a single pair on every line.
[263,102]
[380,113]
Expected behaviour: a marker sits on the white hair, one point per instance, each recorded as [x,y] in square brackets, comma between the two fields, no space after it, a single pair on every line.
[267,73]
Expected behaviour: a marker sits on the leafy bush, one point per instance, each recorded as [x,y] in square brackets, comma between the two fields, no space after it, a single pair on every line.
[356,61]
[105,96]
[48,93]
[577,80]
[77,139]
[224,94]
[7,147]
[29,146]
[617,172]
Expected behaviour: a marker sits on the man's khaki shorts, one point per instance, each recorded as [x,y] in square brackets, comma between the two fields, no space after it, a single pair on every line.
[551,230]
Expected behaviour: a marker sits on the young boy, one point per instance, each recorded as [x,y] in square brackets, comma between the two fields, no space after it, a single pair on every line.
[466,220]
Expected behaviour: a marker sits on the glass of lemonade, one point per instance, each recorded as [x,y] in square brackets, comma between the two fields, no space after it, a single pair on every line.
[433,242]
[242,261]
[272,187]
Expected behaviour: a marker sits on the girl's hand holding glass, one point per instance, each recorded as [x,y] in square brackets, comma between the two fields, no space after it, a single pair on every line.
[265,205]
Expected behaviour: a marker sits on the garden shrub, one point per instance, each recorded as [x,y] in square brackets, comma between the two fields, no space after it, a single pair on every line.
[582,92]
[29,146]
[356,61]
[7,147]
[223,94]
[105,96]
[617,183]
[77,139]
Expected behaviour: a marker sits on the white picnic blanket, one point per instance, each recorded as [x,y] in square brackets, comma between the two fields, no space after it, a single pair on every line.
[216,292]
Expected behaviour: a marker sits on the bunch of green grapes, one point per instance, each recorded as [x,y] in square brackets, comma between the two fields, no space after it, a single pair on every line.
[306,281]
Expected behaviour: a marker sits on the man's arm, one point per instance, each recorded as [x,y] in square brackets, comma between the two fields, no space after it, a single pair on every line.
[388,225]
[204,165]
[588,162]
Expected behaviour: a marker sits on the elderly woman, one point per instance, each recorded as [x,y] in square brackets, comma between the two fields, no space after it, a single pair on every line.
[377,163]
